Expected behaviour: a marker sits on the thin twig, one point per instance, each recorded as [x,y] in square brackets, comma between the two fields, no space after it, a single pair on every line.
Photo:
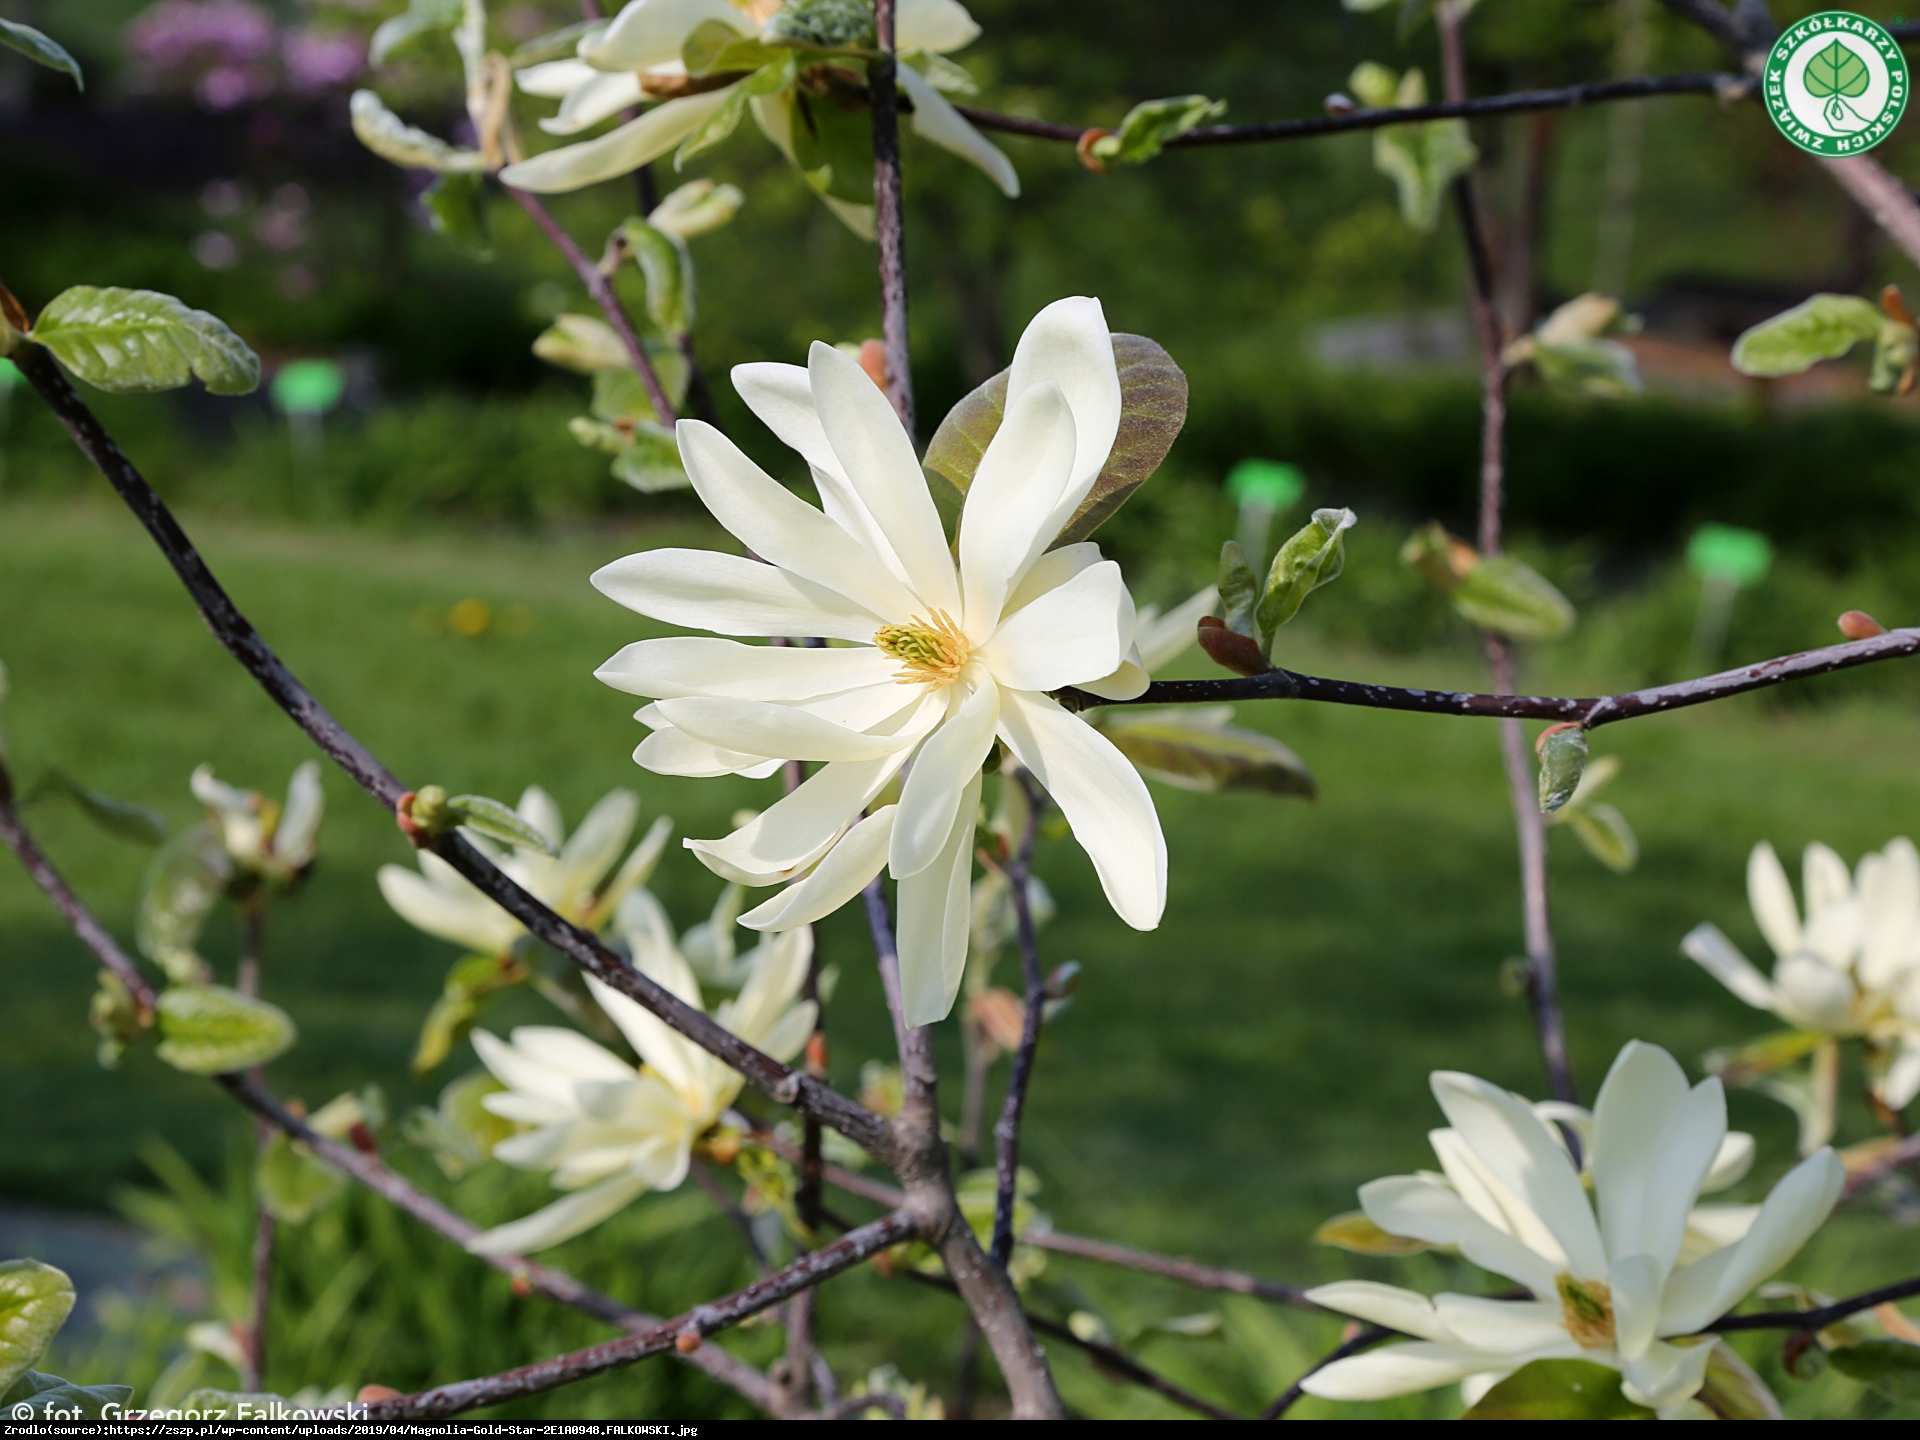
[234,631]
[1372,1335]
[889,218]
[737,1217]
[684,1333]
[601,289]
[1906,1152]
[253,925]
[1804,1320]
[1568,97]
[1006,1132]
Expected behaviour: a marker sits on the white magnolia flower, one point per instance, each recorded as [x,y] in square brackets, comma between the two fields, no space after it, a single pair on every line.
[943,657]
[637,60]
[1851,969]
[272,841]
[1159,639]
[441,901]
[1610,1275]
[607,1131]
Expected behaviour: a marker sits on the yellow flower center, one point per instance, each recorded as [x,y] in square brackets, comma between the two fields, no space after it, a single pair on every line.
[932,651]
[1587,1307]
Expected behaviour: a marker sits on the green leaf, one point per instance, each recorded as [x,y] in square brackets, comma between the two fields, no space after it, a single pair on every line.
[1153,407]
[420,18]
[1605,832]
[1195,749]
[1423,159]
[35,1300]
[696,208]
[822,25]
[461,1133]
[1558,1390]
[457,1010]
[1239,589]
[1742,1064]
[584,343]
[1604,368]
[498,821]
[211,1030]
[1354,1231]
[1836,70]
[1733,1392]
[1315,555]
[293,1182]
[1823,327]
[188,874]
[456,205]
[834,148]
[1563,756]
[408,146]
[716,128]
[716,48]
[651,463]
[1152,123]
[40,49]
[118,817]
[115,1018]
[1895,349]
[668,269]
[36,1396]
[141,340]
[620,395]
[1503,595]
[1889,1367]
[561,44]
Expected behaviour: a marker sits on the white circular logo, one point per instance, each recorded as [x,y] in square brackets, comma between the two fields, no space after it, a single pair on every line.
[1836,83]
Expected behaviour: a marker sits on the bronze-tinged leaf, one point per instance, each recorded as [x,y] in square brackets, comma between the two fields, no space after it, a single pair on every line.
[1196,750]
[1231,650]
[1153,407]
[1354,1231]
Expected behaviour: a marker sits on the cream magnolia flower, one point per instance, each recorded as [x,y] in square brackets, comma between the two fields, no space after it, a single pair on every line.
[1610,1276]
[607,1131]
[272,841]
[637,60]
[1159,640]
[944,658]
[1851,969]
[574,884]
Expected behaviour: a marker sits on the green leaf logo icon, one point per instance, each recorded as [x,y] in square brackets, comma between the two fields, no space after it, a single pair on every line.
[1836,71]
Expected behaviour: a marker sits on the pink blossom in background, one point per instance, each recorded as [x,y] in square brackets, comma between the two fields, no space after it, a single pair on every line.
[230,53]
[317,60]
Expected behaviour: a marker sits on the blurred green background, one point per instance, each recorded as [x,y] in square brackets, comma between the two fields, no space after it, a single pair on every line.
[1218,1087]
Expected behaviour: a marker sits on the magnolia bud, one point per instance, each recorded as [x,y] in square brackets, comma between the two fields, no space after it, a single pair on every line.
[1858,625]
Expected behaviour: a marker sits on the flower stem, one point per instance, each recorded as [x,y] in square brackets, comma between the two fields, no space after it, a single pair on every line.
[889,219]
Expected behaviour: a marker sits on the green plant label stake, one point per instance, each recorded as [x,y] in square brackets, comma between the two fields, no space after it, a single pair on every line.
[1836,83]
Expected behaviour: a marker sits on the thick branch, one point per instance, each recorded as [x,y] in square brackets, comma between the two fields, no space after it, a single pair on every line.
[601,289]
[687,1331]
[537,1278]
[1591,711]
[889,219]
[1520,102]
[233,630]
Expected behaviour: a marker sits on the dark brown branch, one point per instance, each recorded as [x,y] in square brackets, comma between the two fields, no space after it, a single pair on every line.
[90,931]
[536,1278]
[1805,1320]
[233,630]
[682,1334]
[1368,1337]
[1591,711]
[601,289]
[889,219]
[1567,98]
[1006,1132]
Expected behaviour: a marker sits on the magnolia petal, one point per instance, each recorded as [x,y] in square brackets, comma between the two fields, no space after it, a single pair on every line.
[1492,1199]
[300,820]
[1714,1227]
[1102,796]
[1422,1210]
[619,151]
[756,728]
[1407,1311]
[876,455]
[569,1053]
[846,870]
[1824,876]
[1772,899]
[534,1150]
[1070,635]
[565,1218]
[671,751]
[1901,1083]
[731,595]
[777,969]
[1730,1166]
[555,79]
[1514,1144]
[1395,1370]
[945,767]
[796,830]
[681,665]
[1812,995]
[1048,573]
[594,100]
[1026,466]
[782,528]
[594,849]
[1068,343]
[936,26]
[648,33]
[935,119]
[1634,1285]
[673,1058]
[1165,638]
[1689,1144]
[521,1073]
[1654,1143]
[935,911]
[1666,1374]
[1889,891]
[1129,682]
[1798,1206]
[468,919]
[1505,1327]
[1718,956]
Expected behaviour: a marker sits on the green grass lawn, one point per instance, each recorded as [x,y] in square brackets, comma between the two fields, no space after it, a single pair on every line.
[1217,1088]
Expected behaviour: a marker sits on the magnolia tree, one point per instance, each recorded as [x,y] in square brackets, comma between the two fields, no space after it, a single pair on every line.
[924,668]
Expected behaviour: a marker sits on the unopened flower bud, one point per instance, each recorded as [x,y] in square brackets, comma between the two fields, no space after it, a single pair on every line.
[1084,149]
[370,1393]
[687,1341]
[1339,104]
[1858,625]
